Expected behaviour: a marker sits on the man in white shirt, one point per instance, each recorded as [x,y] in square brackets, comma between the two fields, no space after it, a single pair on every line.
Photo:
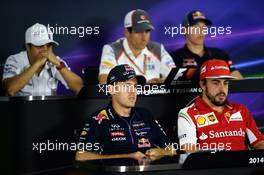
[38,70]
[149,59]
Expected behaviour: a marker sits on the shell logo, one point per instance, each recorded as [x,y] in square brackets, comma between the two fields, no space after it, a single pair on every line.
[83,133]
[201,120]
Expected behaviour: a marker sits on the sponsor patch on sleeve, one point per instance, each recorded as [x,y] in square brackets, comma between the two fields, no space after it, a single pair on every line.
[102,115]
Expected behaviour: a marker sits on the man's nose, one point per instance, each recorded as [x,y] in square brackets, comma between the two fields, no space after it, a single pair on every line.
[145,35]
[222,86]
[132,89]
[44,47]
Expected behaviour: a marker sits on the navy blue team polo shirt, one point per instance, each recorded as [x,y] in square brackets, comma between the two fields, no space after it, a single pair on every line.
[115,134]
[185,58]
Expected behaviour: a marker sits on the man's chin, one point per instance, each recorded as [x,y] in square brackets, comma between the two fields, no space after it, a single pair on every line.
[131,105]
[141,47]
[219,102]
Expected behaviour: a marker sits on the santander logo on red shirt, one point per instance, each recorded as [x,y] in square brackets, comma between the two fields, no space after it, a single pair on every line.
[213,134]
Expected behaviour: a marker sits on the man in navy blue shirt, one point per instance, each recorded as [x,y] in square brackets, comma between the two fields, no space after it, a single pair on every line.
[195,53]
[122,130]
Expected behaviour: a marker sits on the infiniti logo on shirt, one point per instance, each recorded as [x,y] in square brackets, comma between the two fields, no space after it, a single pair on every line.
[115,125]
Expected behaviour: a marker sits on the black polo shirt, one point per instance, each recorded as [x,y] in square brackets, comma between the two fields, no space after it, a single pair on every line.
[110,133]
[185,58]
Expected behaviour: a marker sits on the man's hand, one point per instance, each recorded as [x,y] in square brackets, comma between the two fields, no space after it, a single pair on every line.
[137,155]
[259,145]
[41,59]
[47,56]
[155,152]
[52,58]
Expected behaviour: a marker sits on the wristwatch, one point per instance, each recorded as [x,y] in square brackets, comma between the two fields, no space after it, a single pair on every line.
[60,66]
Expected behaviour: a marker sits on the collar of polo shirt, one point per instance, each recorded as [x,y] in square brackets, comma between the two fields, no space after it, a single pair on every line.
[145,51]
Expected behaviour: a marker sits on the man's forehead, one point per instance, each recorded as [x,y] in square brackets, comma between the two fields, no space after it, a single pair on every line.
[218,79]
[131,81]
[48,44]
[142,31]
[198,24]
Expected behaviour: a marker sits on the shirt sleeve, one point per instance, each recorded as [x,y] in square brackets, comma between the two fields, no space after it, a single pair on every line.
[253,134]
[108,60]
[167,62]
[11,68]
[162,139]
[186,129]
[177,57]
[223,55]
[90,136]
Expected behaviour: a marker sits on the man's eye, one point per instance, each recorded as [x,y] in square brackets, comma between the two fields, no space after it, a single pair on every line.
[215,83]
[127,85]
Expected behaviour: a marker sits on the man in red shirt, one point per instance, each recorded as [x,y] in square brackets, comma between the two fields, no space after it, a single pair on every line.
[212,122]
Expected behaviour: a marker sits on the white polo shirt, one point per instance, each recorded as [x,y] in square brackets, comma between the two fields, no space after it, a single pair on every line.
[45,83]
[154,66]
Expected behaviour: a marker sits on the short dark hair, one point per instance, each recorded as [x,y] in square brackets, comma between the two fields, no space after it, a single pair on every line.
[129,29]
[25,46]
[204,81]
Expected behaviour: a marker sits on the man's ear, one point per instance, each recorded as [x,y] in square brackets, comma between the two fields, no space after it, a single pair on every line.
[202,84]
[126,32]
[111,89]
[184,30]
[27,46]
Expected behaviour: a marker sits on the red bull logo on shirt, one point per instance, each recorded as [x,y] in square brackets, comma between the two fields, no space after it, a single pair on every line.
[102,115]
[143,143]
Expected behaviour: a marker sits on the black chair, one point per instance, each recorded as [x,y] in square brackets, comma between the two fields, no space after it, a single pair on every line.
[91,75]
[76,134]
[2,92]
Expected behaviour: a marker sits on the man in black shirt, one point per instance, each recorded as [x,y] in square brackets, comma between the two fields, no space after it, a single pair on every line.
[194,53]
[122,130]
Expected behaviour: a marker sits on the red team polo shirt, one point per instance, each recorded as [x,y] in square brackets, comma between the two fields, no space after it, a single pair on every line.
[199,124]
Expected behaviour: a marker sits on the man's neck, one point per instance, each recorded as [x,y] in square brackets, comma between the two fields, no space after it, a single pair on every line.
[120,110]
[197,49]
[219,109]
[136,52]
